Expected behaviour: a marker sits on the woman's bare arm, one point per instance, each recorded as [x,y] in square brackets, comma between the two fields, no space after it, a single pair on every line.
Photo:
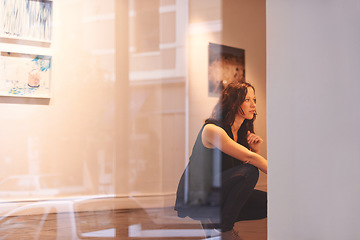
[215,137]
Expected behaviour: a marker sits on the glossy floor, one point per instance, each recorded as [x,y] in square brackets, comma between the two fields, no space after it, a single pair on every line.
[102,219]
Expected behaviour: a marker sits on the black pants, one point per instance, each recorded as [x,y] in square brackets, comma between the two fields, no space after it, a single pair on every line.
[239,200]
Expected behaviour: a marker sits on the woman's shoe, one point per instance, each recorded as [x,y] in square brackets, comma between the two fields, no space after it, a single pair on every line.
[210,229]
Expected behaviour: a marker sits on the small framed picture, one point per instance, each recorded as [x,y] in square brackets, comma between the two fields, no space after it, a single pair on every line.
[25,75]
[26,19]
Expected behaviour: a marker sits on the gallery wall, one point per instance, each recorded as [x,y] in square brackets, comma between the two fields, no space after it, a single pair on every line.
[120,121]
[70,135]
[313,119]
[115,122]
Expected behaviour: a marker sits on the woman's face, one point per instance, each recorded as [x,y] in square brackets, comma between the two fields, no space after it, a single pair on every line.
[249,105]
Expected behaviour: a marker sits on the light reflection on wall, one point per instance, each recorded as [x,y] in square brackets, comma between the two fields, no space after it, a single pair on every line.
[66,148]
[74,135]
[157,96]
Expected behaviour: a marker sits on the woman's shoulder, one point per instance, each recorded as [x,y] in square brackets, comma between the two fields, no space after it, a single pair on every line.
[219,129]
[213,121]
[212,127]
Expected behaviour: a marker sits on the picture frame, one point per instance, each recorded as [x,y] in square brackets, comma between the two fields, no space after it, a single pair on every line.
[25,75]
[226,64]
[29,20]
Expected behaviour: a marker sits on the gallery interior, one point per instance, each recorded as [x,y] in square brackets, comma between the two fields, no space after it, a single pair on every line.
[100,155]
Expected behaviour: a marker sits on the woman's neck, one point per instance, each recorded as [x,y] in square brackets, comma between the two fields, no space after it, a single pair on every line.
[237,124]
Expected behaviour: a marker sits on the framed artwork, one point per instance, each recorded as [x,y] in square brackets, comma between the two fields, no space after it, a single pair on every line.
[226,64]
[25,75]
[26,19]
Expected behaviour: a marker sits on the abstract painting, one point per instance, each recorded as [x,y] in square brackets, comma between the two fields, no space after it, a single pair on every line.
[226,64]
[25,75]
[26,19]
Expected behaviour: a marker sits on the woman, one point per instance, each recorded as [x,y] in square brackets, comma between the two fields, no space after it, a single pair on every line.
[227,139]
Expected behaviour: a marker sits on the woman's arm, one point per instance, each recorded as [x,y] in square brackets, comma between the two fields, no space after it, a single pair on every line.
[215,137]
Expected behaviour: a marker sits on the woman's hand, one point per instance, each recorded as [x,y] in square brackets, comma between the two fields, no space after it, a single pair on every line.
[254,142]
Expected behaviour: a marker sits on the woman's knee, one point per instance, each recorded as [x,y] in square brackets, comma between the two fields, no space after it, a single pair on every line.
[245,172]
[251,173]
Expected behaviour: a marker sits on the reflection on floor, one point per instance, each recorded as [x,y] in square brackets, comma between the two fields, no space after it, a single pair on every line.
[96,219]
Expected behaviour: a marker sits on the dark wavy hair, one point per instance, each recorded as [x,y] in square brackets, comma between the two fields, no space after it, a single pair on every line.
[228,106]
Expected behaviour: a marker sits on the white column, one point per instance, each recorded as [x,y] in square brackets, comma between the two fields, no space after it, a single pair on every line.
[313,59]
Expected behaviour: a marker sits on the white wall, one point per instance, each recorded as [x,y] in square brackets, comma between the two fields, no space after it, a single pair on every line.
[313,119]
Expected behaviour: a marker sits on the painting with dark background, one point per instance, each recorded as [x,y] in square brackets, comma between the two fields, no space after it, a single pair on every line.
[226,64]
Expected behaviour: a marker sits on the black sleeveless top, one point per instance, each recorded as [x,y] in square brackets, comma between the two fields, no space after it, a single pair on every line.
[202,175]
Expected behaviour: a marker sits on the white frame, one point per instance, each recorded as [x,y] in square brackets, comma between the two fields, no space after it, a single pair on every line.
[18,84]
[20,26]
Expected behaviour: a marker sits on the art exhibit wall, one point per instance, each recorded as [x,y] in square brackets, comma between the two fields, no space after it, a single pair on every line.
[74,133]
[313,119]
[114,125]
[121,122]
